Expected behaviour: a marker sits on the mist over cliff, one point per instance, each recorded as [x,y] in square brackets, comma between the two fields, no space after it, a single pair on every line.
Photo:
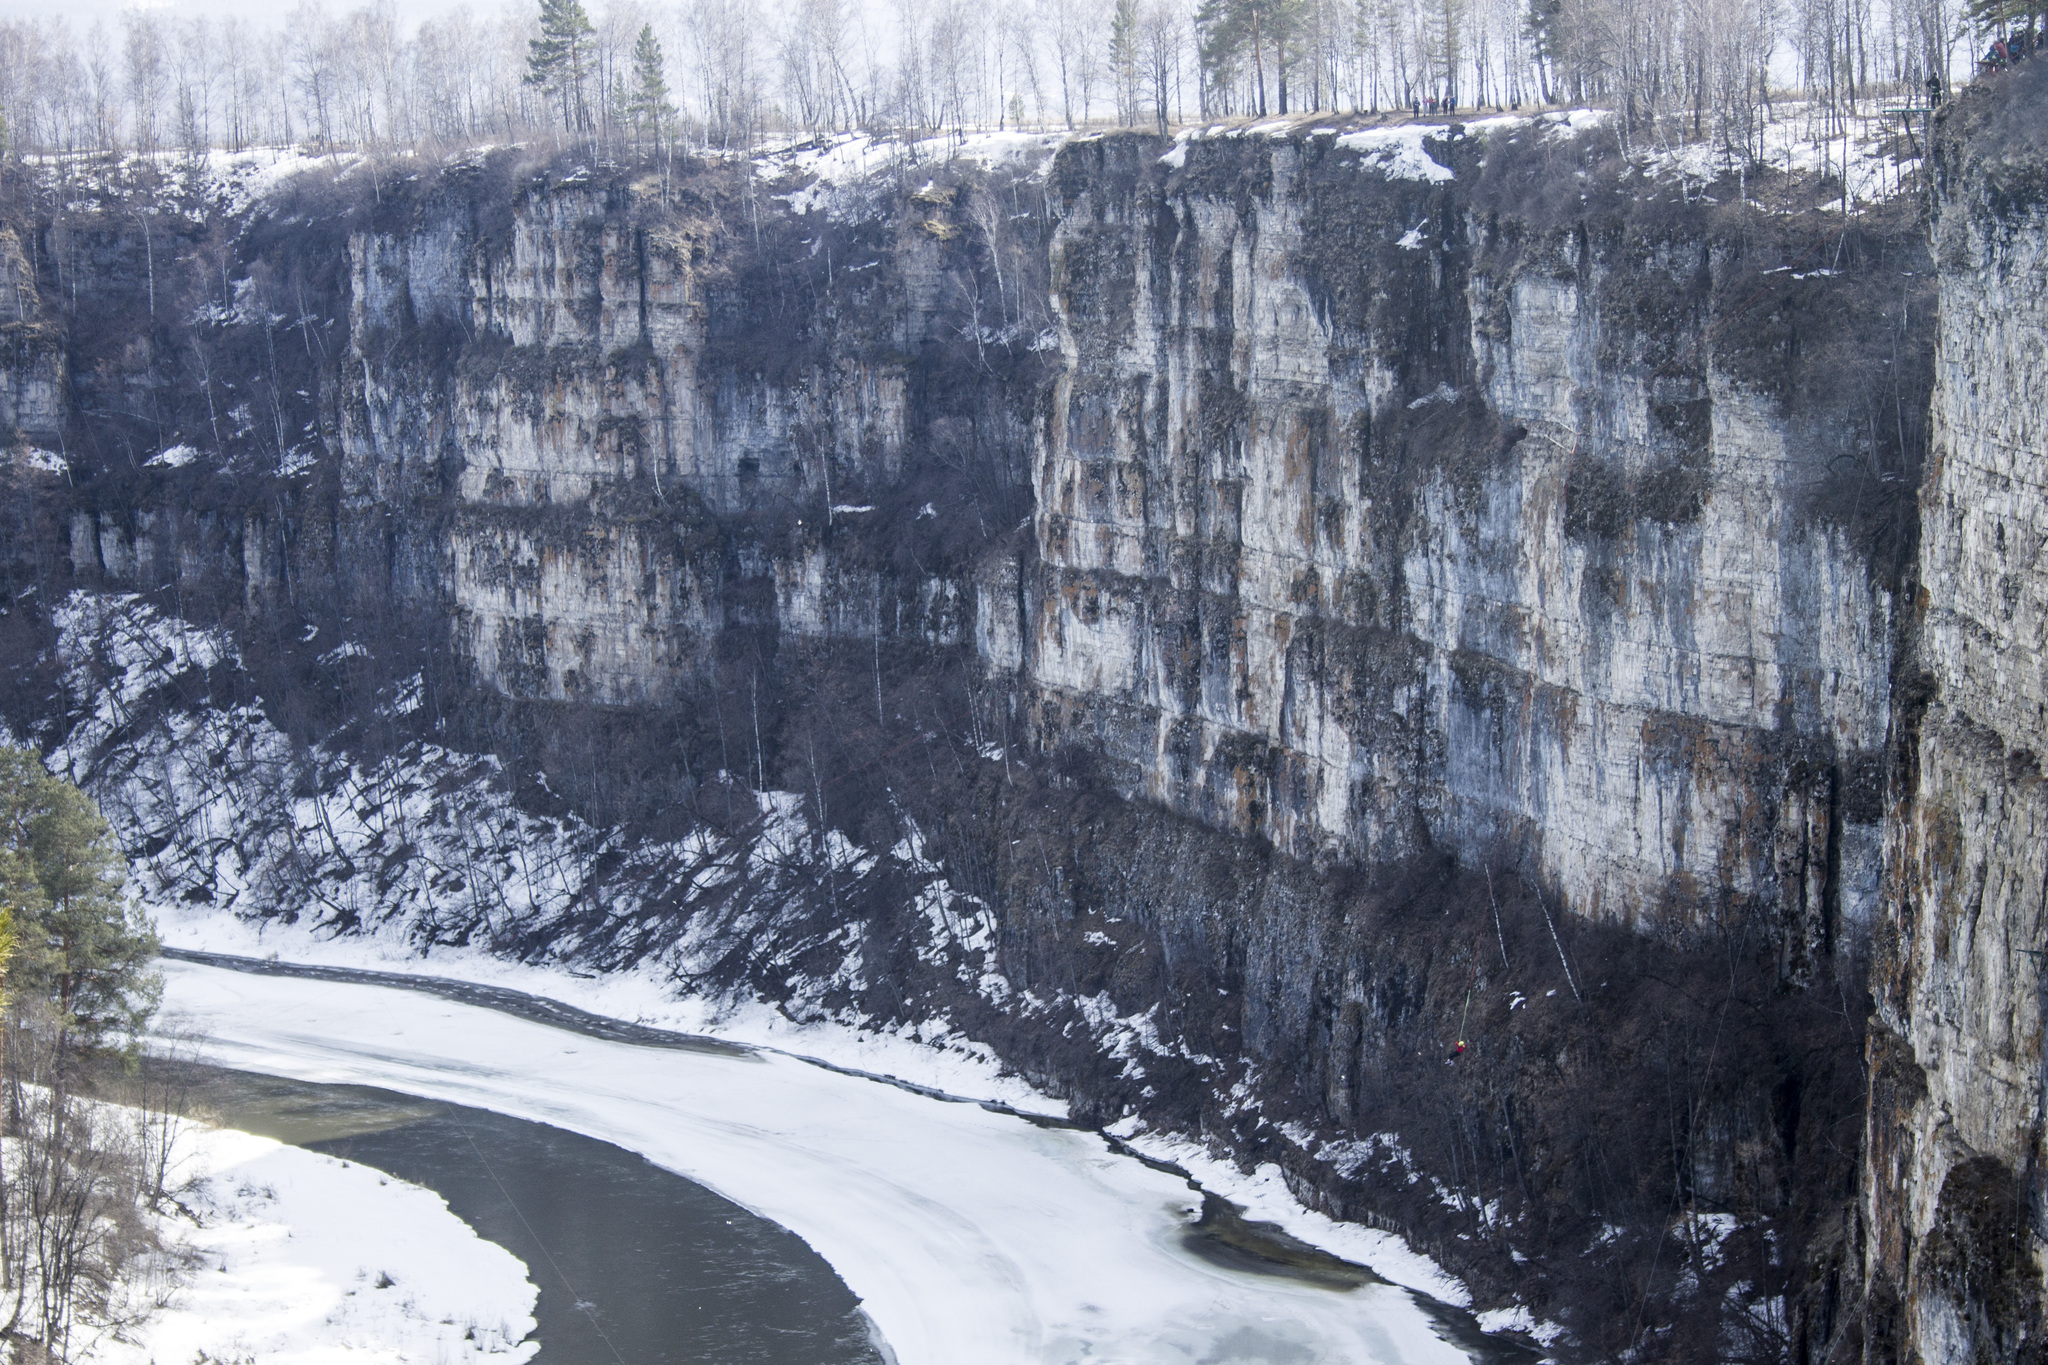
[1219,621]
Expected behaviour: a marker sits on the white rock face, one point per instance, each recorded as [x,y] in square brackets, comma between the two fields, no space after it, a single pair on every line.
[1956,1137]
[32,370]
[1359,525]
[602,615]
[580,444]
[583,336]
[1322,571]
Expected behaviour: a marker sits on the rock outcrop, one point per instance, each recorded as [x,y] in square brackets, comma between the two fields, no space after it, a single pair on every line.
[639,431]
[1955,1193]
[1375,514]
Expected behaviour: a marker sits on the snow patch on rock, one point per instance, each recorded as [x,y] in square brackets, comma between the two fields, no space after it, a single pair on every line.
[173,457]
[1397,152]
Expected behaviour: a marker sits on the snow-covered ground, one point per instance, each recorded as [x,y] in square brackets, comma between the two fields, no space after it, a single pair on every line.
[930,1056]
[301,1259]
[842,175]
[968,1234]
[1792,139]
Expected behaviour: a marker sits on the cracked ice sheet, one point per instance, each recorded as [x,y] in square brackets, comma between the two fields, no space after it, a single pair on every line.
[967,1234]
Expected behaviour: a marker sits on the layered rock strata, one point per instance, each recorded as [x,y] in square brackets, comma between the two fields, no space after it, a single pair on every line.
[1955,1195]
[1452,517]
[1371,517]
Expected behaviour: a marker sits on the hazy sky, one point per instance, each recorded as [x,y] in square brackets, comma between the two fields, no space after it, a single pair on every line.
[81,13]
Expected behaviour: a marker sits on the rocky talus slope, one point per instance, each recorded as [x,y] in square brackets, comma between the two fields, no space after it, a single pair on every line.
[1215,621]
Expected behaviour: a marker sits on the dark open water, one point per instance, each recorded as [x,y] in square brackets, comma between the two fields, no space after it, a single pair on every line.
[636,1265]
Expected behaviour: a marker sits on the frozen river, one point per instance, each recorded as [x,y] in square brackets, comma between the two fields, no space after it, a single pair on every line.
[967,1234]
[632,1262]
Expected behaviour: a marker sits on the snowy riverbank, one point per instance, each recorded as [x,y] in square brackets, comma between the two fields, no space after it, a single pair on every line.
[968,1234]
[302,1259]
[932,1055]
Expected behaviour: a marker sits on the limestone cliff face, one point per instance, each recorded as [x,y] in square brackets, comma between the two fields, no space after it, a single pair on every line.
[1372,516]
[572,423]
[1957,1206]
[32,399]
[1380,504]
[1380,500]
[1402,516]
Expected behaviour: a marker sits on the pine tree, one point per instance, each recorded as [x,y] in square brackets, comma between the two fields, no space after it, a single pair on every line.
[649,105]
[80,947]
[1123,59]
[2002,16]
[555,60]
[1446,21]
[1228,34]
[1263,29]
[1544,27]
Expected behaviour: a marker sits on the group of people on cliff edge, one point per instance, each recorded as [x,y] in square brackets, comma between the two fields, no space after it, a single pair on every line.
[2014,47]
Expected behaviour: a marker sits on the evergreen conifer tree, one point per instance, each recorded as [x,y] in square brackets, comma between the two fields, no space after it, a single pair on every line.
[555,61]
[649,105]
[2002,16]
[79,945]
[1231,30]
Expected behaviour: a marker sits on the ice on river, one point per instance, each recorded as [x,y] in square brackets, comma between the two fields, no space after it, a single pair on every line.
[968,1234]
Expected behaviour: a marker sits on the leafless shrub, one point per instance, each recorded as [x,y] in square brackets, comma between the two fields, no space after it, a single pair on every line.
[73,1229]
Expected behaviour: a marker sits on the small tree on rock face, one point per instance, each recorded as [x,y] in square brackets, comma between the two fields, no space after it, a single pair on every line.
[81,946]
[555,61]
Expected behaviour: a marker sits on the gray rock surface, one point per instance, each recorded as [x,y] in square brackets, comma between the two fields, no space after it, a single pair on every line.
[1214,621]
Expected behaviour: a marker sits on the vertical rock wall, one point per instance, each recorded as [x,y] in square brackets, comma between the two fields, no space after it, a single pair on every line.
[597,426]
[1955,1195]
[1371,516]
[31,353]
[1395,491]
[1385,496]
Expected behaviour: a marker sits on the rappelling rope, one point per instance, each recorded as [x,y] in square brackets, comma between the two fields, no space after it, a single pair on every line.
[1466,1017]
